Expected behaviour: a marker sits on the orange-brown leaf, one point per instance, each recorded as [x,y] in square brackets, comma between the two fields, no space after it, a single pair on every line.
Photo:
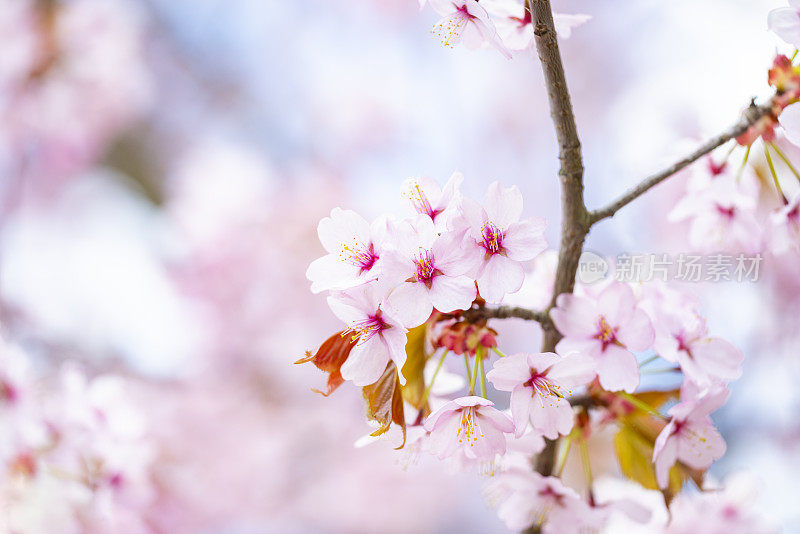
[385,402]
[329,358]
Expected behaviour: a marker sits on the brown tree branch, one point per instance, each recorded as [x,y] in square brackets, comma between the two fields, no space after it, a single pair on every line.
[750,116]
[575,218]
[505,312]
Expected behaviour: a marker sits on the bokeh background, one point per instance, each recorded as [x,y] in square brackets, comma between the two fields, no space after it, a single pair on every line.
[163,167]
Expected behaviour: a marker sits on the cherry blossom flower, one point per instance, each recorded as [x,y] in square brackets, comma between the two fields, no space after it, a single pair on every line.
[538,384]
[721,211]
[430,272]
[524,498]
[467,21]
[353,247]
[607,329]
[683,339]
[380,334]
[785,235]
[515,27]
[785,22]
[427,198]
[468,425]
[496,241]
[690,437]
[731,509]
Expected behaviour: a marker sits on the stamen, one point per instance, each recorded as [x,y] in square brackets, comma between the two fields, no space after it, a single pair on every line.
[358,254]
[492,238]
[451,28]
[364,330]
[425,265]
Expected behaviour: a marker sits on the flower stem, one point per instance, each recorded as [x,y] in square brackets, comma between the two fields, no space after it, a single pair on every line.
[587,466]
[469,372]
[774,174]
[744,162]
[433,378]
[483,374]
[651,359]
[639,404]
[563,452]
[785,160]
[474,376]
[499,352]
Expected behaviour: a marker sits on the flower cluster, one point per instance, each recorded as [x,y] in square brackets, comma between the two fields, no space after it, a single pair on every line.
[415,290]
[505,25]
[391,275]
[73,452]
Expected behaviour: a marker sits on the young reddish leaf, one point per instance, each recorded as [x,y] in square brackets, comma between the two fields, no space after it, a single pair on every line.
[385,402]
[329,358]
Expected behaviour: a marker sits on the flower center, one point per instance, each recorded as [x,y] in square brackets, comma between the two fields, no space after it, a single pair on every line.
[605,333]
[364,330]
[425,267]
[542,385]
[491,239]
[360,255]
[421,203]
[451,27]
[728,212]
[469,429]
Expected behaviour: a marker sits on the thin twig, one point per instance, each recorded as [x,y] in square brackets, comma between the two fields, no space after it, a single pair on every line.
[750,116]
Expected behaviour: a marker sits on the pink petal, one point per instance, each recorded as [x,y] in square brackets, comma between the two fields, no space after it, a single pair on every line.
[437,418]
[342,227]
[452,293]
[573,371]
[499,276]
[497,419]
[443,440]
[520,407]
[473,400]
[718,358]
[509,372]
[411,303]
[366,362]
[587,347]
[664,455]
[345,311]
[785,22]
[637,333]
[575,316]
[525,240]
[700,445]
[543,360]
[617,303]
[503,205]
[617,369]
[551,415]
[328,273]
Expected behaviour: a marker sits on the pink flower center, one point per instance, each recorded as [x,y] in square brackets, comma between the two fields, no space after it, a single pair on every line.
[727,212]
[542,385]
[491,239]
[524,20]
[421,203]
[605,333]
[425,267]
[360,255]
[8,392]
[364,330]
